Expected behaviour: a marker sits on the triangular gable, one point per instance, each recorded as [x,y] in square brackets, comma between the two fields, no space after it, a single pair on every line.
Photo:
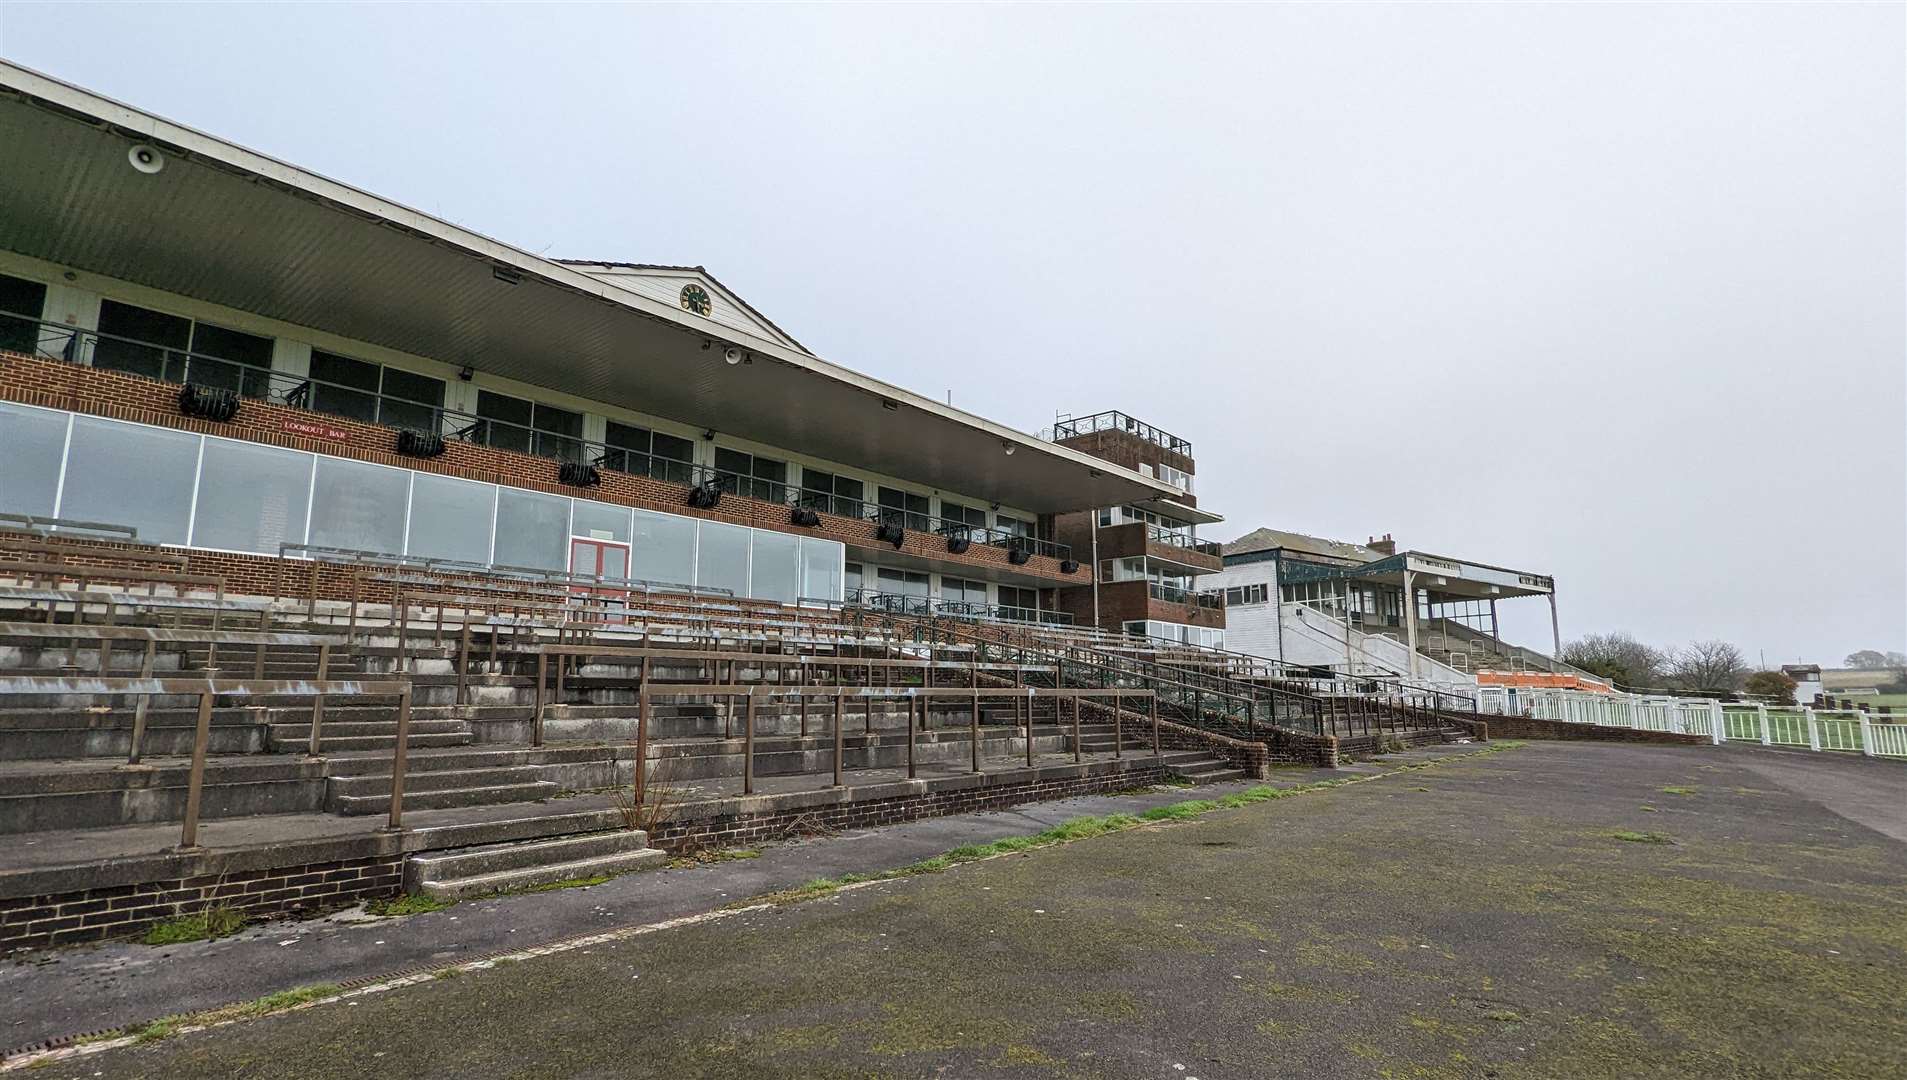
[666,284]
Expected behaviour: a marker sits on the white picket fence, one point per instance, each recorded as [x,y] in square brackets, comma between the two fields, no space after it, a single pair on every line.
[1797,726]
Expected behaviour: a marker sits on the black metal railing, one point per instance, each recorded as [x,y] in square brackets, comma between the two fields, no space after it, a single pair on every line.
[1113,420]
[1173,538]
[970,610]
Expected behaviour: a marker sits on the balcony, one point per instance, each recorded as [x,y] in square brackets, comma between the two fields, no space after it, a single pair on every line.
[59,342]
[1117,421]
[1136,538]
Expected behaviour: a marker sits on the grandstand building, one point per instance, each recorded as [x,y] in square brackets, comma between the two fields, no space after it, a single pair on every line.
[237,356]
[1370,608]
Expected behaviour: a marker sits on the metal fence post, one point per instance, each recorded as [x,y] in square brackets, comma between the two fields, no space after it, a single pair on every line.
[1156,752]
[642,738]
[317,700]
[1814,736]
[910,729]
[139,710]
[536,699]
[1078,753]
[748,746]
[195,781]
[400,759]
[840,738]
[973,723]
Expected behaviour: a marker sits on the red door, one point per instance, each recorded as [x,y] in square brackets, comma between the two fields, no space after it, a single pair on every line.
[604,559]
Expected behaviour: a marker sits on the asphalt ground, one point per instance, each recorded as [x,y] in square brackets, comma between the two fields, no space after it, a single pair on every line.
[1551,911]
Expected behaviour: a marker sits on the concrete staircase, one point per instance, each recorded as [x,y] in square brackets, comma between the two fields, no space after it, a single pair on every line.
[435,782]
[494,868]
[361,727]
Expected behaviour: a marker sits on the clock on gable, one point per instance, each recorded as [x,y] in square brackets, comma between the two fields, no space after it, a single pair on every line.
[696,299]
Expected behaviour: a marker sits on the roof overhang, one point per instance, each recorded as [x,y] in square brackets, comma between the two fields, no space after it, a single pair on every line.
[1435,573]
[1178,510]
[229,226]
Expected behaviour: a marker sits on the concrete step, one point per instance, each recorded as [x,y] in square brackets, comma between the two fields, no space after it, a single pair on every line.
[437,780]
[447,798]
[521,877]
[348,727]
[441,866]
[328,744]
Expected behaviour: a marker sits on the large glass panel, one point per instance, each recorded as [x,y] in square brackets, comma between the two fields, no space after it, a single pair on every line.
[359,507]
[137,340]
[559,433]
[664,548]
[251,497]
[342,386]
[32,442]
[722,562]
[821,569]
[776,572]
[410,400]
[243,361]
[532,530]
[672,457]
[904,508]
[509,426]
[600,521]
[126,474]
[25,298]
[451,518]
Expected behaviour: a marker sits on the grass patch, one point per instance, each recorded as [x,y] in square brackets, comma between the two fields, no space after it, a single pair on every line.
[407,904]
[1678,791]
[214,922]
[1643,837]
[1083,828]
[167,1026]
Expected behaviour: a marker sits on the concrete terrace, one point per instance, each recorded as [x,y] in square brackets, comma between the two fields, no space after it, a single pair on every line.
[1491,916]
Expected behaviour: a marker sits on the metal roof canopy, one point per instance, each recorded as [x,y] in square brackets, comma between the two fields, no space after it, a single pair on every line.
[229,226]
[1449,577]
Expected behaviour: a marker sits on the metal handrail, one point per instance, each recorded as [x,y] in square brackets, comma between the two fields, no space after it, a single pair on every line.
[1114,420]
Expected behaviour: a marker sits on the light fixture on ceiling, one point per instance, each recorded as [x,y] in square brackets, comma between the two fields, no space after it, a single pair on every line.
[731,356]
[1007,446]
[505,274]
[146,159]
[890,405]
[466,373]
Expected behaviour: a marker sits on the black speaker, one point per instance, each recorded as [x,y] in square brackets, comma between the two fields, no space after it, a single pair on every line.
[1018,556]
[208,403]
[1069,566]
[958,544]
[578,474]
[706,494]
[888,532]
[804,517]
[419,443]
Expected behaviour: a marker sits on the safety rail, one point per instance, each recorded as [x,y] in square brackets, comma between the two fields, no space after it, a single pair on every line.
[207,690]
[1793,726]
[1114,420]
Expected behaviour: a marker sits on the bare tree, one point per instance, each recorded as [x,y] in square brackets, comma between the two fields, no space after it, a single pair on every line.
[1619,658]
[1709,665]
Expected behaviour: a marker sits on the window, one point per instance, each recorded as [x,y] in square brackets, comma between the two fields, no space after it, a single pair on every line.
[852,578]
[821,568]
[904,508]
[755,477]
[1241,595]
[32,445]
[532,530]
[663,548]
[1021,604]
[1178,478]
[451,518]
[23,298]
[832,494]
[138,341]
[722,557]
[528,427]
[251,498]
[373,393]
[1014,526]
[641,452]
[958,520]
[958,591]
[599,521]
[774,571]
[1108,515]
[358,506]
[904,590]
[156,345]
[129,474]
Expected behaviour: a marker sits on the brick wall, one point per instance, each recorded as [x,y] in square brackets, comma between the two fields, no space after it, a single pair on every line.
[1523,727]
[742,830]
[120,396]
[1131,451]
[125,910]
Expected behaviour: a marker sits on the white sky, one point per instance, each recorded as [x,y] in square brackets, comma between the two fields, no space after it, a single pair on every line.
[1614,292]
